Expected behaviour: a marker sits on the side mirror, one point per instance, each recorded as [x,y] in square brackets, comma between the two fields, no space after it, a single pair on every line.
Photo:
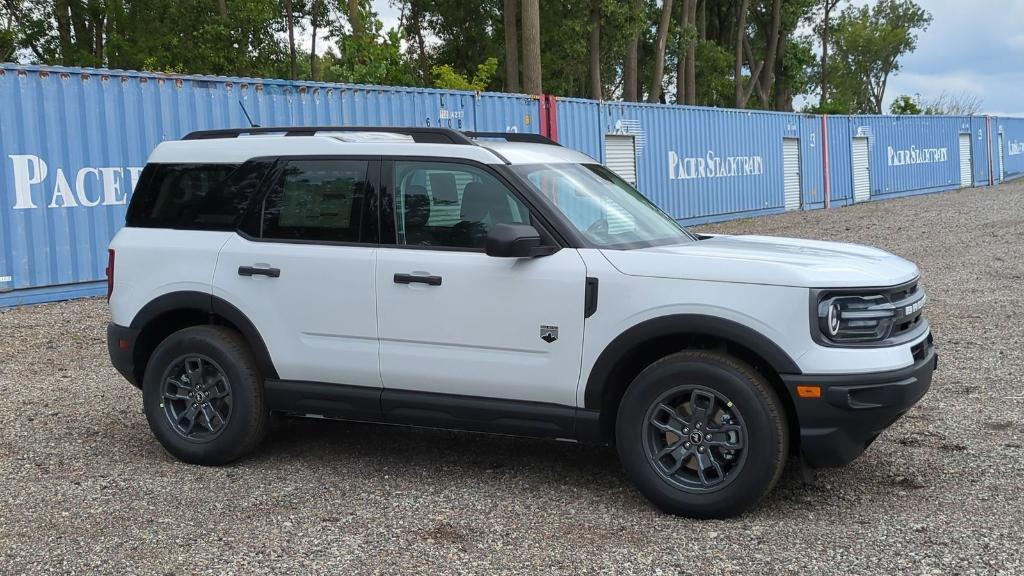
[516,241]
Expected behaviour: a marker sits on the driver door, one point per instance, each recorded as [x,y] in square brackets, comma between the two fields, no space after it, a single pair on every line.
[453,320]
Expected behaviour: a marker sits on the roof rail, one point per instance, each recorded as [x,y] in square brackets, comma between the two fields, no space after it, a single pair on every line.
[514,137]
[419,134]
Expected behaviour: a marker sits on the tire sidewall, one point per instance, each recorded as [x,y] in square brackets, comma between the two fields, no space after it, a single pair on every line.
[246,395]
[765,434]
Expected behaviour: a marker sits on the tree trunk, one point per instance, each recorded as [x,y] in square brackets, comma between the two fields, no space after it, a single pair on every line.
[658,71]
[768,77]
[741,32]
[596,88]
[511,46]
[783,94]
[314,23]
[353,18]
[290,18]
[691,57]
[684,15]
[824,50]
[531,47]
[631,65]
[222,8]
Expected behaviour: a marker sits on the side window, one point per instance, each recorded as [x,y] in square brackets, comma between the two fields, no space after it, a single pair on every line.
[194,196]
[320,201]
[451,205]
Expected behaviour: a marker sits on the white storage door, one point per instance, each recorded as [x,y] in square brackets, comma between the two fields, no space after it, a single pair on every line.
[965,160]
[1001,173]
[791,172]
[861,171]
[620,156]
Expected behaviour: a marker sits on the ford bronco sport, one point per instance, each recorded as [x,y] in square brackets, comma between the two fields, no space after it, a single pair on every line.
[497,283]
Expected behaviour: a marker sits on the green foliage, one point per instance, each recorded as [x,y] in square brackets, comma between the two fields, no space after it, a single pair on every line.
[714,68]
[372,58]
[829,107]
[460,44]
[446,77]
[906,105]
[867,45]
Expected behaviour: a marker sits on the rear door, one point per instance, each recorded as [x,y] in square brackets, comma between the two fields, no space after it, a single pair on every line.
[456,321]
[302,270]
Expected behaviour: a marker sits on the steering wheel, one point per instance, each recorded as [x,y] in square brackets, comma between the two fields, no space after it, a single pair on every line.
[598,228]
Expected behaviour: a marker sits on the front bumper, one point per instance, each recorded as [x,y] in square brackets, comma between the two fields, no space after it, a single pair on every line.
[855,408]
[121,347]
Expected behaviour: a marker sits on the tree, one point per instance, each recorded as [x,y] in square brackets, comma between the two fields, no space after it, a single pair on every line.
[825,30]
[658,72]
[446,77]
[948,103]
[630,66]
[318,15]
[289,14]
[905,105]
[596,88]
[511,46]
[531,47]
[868,43]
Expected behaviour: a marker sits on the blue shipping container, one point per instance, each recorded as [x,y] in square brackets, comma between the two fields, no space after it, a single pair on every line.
[73,142]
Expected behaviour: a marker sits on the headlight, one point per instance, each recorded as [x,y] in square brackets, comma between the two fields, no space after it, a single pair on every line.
[856,318]
[868,319]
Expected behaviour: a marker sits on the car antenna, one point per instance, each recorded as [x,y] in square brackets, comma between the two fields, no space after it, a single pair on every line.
[246,112]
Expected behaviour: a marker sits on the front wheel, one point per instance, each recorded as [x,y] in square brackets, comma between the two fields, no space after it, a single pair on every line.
[203,395]
[702,434]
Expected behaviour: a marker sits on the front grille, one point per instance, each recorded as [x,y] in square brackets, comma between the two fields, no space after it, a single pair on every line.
[909,302]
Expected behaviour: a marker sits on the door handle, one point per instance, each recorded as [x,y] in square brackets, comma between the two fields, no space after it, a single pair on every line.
[411,278]
[253,271]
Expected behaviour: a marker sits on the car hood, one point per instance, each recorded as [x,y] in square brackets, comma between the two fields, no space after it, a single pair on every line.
[768,260]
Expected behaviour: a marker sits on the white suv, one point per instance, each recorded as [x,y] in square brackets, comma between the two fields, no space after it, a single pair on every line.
[497,283]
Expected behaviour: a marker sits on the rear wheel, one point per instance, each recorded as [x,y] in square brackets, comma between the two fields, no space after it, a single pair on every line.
[203,396]
[702,434]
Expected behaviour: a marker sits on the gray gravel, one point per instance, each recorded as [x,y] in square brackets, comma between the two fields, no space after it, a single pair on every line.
[84,487]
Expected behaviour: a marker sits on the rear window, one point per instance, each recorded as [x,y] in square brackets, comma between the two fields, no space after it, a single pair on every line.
[194,196]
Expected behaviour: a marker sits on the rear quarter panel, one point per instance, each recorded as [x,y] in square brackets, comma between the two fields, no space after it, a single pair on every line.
[151,262]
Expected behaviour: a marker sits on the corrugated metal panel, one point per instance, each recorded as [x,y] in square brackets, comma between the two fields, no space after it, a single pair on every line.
[696,163]
[72,142]
[840,160]
[580,126]
[1013,131]
[978,127]
[791,171]
[861,170]
[911,153]
[507,113]
[812,174]
[620,156]
[965,160]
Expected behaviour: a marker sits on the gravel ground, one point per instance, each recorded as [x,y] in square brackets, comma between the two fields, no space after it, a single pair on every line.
[84,487]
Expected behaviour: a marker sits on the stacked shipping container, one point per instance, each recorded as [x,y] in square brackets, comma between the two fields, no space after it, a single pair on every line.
[72,143]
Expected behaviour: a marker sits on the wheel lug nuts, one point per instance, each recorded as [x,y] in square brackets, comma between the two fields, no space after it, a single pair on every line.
[700,449]
[687,445]
[686,430]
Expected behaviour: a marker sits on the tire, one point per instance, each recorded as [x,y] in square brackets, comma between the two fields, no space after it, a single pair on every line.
[225,427]
[671,395]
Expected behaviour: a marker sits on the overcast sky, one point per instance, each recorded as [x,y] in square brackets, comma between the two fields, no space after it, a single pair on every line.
[975,46]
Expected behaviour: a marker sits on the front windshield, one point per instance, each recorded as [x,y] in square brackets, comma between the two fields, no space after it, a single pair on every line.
[607,210]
